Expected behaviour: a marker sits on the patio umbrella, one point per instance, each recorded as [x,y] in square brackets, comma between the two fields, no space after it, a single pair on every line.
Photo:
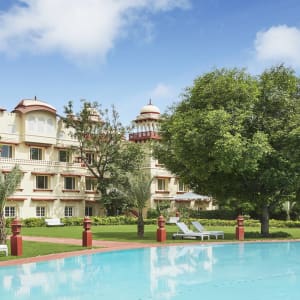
[189,196]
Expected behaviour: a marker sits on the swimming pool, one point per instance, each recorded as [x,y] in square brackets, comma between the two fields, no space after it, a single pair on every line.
[226,271]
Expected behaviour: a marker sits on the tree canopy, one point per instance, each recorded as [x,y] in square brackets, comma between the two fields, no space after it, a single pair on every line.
[237,136]
[103,148]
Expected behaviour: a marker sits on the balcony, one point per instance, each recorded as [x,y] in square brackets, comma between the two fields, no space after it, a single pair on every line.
[143,136]
[33,162]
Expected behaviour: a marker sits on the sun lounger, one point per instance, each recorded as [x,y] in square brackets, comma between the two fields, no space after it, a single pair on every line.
[185,232]
[54,222]
[201,229]
[3,248]
[173,220]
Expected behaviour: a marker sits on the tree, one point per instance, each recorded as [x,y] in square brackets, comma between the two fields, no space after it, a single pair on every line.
[235,136]
[8,185]
[103,149]
[138,194]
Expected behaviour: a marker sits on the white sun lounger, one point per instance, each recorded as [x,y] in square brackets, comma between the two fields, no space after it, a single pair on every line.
[201,229]
[185,232]
[173,220]
[54,222]
[4,249]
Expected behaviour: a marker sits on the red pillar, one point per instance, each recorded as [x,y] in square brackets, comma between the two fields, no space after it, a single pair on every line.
[161,233]
[239,230]
[87,234]
[16,247]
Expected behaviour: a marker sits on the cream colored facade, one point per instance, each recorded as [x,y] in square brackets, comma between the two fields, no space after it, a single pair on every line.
[54,182]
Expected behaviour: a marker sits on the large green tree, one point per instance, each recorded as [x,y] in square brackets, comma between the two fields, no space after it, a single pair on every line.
[235,136]
[8,185]
[103,148]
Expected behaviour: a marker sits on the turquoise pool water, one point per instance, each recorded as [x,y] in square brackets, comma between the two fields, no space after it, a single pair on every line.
[232,271]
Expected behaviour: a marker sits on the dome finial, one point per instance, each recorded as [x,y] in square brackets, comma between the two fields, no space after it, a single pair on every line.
[150,101]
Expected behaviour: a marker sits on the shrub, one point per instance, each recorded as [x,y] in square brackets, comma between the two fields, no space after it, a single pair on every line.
[125,220]
[33,222]
[152,213]
[223,214]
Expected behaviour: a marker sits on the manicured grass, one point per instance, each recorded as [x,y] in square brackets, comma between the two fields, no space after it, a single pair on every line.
[32,249]
[128,233]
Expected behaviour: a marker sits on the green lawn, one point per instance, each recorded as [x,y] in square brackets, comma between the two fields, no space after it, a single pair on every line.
[127,233]
[32,249]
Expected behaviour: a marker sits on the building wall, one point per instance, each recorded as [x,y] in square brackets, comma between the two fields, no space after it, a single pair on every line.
[166,186]
[42,191]
[37,137]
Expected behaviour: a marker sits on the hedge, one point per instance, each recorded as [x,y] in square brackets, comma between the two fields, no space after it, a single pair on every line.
[124,220]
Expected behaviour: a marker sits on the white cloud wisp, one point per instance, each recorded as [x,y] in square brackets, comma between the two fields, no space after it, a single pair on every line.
[75,28]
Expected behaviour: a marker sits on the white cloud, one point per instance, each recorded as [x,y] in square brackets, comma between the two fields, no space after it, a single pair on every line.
[162,91]
[279,44]
[76,28]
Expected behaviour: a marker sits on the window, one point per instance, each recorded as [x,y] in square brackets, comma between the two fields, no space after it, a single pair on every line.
[70,183]
[10,211]
[40,211]
[182,187]
[36,153]
[31,124]
[162,184]
[88,211]
[42,182]
[90,184]
[6,151]
[63,156]
[69,211]
[40,125]
[90,157]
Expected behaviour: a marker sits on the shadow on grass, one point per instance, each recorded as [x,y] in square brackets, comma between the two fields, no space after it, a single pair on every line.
[272,235]
[127,236]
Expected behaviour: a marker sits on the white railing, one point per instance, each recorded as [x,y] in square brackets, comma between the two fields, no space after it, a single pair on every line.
[36,163]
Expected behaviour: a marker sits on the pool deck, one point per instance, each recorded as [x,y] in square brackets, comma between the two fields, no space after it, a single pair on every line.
[103,246]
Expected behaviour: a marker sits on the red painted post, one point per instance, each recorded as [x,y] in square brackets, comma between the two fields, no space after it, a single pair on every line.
[87,234]
[16,247]
[161,234]
[239,230]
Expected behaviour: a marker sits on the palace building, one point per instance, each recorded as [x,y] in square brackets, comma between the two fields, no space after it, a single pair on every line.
[55,183]
[166,187]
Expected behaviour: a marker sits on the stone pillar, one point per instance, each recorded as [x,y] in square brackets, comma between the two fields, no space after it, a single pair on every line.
[16,247]
[239,230]
[161,233]
[87,234]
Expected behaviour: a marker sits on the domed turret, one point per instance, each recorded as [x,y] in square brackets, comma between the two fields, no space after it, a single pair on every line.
[27,105]
[148,112]
[150,109]
[146,124]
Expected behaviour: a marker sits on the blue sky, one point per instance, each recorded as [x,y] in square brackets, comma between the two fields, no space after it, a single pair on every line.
[124,52]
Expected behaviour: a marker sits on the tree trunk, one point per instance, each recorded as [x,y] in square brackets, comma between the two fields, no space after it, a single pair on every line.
[140,225]
[3,231]
[264,229]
